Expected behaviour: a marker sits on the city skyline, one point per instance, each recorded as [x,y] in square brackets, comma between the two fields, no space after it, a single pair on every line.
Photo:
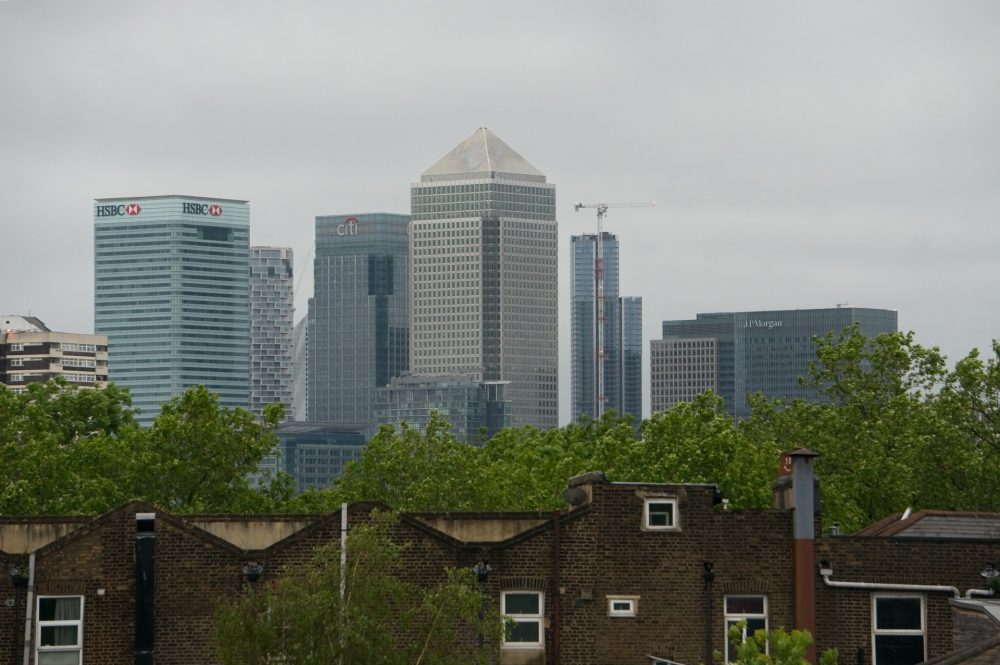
[788,170]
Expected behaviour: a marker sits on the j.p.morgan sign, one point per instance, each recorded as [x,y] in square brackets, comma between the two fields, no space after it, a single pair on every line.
[118,209]
[757,323]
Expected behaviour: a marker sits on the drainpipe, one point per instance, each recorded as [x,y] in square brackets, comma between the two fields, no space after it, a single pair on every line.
[827,571]
[145,588]
[557,584]
[29,609]
[708,575]
[804,530]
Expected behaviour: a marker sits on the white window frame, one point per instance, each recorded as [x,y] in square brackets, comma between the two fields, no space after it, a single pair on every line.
[17,346]
[17,362]
[62,648]
[674,513]
[911,632]
[538,618]
[735,617]
[631,611]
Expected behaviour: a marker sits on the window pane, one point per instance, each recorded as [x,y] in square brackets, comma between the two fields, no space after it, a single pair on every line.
[661,514]
[622,606]
[899,649]
[525,631]
[59,636]
[898,613]
[521,603]
[58,609]
[59,657]
[745,605]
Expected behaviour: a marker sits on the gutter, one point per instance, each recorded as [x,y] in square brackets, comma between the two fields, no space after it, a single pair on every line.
[826,571]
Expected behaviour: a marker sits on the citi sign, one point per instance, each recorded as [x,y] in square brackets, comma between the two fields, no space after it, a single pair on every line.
[214,209]
[118,210]
[348,228]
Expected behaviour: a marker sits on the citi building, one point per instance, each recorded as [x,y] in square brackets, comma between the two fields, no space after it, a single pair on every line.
[171,294]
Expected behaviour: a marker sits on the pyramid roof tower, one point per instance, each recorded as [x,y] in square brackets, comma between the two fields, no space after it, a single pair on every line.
[482,155]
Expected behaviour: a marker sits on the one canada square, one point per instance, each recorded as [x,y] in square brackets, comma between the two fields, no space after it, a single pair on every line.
[484,274]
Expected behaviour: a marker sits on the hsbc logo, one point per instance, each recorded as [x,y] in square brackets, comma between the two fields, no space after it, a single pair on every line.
[215,210]
[118,210]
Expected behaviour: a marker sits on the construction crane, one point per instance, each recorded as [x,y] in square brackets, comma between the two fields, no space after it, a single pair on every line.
[602,209]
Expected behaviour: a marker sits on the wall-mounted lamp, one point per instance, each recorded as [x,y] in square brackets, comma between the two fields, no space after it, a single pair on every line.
[482,571]
[252,571]
[18,575]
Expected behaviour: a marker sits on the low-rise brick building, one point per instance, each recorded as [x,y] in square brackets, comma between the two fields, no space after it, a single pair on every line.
[626,574]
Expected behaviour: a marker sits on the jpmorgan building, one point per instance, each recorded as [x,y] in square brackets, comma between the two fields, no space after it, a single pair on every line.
[736,354]
[171,294]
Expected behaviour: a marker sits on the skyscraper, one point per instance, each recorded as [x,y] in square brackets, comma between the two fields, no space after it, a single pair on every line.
[361,325]
[737,354]
[271,311]
[171,293]
[300,363]
[484,255]
[622,361]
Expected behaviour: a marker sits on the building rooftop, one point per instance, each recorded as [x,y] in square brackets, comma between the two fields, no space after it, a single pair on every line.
[937,524]
[482,154]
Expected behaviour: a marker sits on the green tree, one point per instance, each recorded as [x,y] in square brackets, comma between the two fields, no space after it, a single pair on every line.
[774,647]
[308,618]
[69,451]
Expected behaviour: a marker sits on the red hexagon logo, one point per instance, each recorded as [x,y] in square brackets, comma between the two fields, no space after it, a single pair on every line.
[133,209]
[214,210]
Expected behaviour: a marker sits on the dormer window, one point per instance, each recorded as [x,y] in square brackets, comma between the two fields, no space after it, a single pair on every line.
[660,514]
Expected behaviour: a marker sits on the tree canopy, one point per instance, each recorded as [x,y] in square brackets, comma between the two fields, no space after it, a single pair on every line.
[363,614]
[898,429]
[70,451]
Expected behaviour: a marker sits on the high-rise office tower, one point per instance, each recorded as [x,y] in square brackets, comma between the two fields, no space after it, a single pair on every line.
[271,311]
[300,363]
[360,338]
[485,279]
[30,352]
[631,357]
[736,354]
[622,374]
[171,293]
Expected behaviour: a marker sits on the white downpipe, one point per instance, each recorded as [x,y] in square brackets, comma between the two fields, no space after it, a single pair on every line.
[29,610]
[878,586]
[343,551]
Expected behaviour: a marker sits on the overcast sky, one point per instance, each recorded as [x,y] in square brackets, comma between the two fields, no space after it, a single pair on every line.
[801,154]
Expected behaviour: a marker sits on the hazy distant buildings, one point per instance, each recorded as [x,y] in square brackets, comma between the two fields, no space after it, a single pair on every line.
[485,292]
[171,294]
[30,352]
[360,339]
[271,311]
[476,410]
[736,354]
[622,353]
[300,364]
[314,454]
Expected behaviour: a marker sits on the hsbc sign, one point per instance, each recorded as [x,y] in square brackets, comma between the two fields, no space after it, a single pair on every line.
[214,209]
[118,210]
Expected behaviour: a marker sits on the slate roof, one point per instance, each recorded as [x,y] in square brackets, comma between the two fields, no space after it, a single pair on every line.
[483,153]
[937,524]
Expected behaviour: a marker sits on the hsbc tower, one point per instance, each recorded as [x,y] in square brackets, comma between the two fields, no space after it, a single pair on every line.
[171,292]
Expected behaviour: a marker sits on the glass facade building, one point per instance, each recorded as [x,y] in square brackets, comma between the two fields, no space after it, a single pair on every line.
[314,454]
[737,354]
[622,328]
[171,293]
[475,409]
[271,311]
[485,275]
[359,330]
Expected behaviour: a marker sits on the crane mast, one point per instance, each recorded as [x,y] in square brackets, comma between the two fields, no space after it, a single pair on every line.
[599,315]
